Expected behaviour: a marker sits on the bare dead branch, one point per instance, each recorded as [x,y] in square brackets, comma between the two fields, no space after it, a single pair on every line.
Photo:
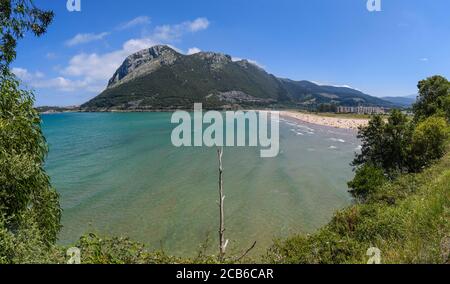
[222,242]
[246,252]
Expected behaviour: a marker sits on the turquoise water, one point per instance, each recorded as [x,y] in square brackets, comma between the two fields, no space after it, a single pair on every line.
[118,174]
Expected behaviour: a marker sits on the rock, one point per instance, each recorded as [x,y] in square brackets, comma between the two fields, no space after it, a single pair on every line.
[143,62]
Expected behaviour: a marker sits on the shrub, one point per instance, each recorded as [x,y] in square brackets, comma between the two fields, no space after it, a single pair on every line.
[428,142]
[367,180]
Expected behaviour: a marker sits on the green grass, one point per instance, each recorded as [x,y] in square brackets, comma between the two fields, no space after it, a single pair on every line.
[408,220]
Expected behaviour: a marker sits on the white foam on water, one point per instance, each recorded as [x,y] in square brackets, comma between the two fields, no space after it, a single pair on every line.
[337,140]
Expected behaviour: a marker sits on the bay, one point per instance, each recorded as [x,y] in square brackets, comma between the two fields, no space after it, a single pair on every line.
[119,175]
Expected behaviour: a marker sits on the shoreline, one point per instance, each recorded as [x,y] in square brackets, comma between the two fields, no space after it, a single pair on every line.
[335,122]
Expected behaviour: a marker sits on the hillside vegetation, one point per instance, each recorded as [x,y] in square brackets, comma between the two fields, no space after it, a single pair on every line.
[162,78]
[408,220]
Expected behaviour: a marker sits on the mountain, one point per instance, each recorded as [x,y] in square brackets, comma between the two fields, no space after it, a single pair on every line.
[162,78]
[407,101]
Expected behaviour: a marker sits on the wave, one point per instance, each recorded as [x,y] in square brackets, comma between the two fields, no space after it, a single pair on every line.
[338,140]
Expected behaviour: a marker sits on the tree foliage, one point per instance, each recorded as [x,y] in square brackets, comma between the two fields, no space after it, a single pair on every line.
[428,142]
[402,145]
[16,18]
[385,145]
[24,185]
[434,96]
[29,207]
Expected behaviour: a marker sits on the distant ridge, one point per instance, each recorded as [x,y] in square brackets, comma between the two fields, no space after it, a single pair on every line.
[407,101]
[161,78]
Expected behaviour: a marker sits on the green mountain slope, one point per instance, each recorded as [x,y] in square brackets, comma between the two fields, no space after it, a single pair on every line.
[161,78]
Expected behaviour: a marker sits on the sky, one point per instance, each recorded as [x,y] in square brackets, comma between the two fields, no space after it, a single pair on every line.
[334,42]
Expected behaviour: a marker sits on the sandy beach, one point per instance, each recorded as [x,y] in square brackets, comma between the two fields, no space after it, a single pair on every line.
[336,122]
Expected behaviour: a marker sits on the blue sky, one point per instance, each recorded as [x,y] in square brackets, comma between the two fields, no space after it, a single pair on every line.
[337,42]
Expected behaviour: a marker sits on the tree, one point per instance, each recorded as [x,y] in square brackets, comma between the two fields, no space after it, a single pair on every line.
[27,199]
[446,105]
[16,18]
[433,98]
[25,187]
[402,145]
[396,140]
[372,143]
[384,154]
[385,145]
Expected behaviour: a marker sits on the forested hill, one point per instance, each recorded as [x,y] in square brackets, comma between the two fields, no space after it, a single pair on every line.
[162,78]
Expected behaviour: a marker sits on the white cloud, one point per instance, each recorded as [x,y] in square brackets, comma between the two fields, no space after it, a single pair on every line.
[24,75]
[86,38]
[100,67]
[193,50]
[138,21]
[133,45]
[89,72]
[38,80]
[198,24]
[60,83]
[337,86]
[97,68]
[424,59]
[254,62]
[94,66]
[174,32]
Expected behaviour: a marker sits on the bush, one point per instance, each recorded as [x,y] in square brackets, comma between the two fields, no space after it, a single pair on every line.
[324,247]
[428,142]
[367,180]
[27,245]
[446,107]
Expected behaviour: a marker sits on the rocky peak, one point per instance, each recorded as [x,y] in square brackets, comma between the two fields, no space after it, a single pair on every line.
[215,60]
[145,61]
[213,56]
[154,52]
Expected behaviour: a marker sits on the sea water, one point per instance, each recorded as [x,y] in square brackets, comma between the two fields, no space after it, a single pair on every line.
[118,174]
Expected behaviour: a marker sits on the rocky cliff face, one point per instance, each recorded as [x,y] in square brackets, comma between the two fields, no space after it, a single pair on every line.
[143,62]
[215,60]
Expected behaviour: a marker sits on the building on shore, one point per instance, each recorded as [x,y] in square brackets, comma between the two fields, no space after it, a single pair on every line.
[361,110]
